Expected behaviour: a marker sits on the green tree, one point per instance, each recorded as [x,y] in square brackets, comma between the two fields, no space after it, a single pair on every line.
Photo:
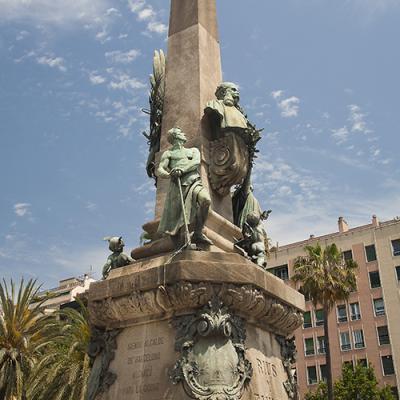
[325,278]
[360,383]
[22,330]
[321,393]
[63,371]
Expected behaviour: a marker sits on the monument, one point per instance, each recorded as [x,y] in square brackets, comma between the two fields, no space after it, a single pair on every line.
[195,316]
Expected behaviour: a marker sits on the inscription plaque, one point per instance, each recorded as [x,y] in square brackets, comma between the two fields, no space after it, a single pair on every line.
[146,353]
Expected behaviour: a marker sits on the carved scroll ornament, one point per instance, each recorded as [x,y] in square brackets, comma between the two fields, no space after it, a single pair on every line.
[229,162]
[246,300]
[212,365]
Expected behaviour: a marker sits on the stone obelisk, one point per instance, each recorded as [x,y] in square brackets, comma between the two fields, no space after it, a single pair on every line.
[180,325]
[193,72]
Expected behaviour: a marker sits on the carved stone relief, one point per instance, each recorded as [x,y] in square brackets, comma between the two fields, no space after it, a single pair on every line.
[212,363]
[101,349]
[289,356]
[245,300]
[229,163]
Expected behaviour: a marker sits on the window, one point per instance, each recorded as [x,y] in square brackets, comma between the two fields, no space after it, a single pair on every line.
[370,253]
[396,247]
[395,392]
[358,336]
[307,320]
[398,273]
[355,313]
[319,317]
[349,363]
[309,346]
[379,307]
[383,335]
[321,345]
[312,375]
[281,272]
[341,313]
[324,372]
[347,255]
[374,279]
[387,365]
[345,343]
[363,362]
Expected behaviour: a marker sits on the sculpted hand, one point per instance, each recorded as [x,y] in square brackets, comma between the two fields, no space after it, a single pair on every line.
[176,173]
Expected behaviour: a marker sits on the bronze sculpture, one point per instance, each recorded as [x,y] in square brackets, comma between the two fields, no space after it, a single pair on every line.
[181,165]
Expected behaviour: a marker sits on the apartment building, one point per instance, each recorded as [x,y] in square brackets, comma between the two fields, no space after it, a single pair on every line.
[366,328]
[65,293]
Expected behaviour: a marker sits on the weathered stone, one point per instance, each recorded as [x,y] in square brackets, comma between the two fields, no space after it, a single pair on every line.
[193,71]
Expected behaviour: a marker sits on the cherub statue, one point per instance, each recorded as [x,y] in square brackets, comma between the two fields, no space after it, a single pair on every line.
[254,239]
[117,259]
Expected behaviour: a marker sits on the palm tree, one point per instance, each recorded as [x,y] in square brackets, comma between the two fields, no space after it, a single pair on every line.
[63,371]
[325,278]
[22,329]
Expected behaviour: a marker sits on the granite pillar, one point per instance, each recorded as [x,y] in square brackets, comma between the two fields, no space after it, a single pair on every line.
[193,72]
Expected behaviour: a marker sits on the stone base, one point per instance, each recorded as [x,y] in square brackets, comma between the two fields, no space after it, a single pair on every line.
[222,232]
[215,309]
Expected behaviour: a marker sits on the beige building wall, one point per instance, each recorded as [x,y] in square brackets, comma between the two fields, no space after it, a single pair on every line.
[380,235]
[65,293]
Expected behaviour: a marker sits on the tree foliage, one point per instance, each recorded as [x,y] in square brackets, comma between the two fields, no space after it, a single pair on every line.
[360,383]
[325,278]
[63,371]
[324,275]
[22,331]
[42,357]
[357,383]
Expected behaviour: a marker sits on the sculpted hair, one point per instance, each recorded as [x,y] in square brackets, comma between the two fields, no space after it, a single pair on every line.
[172,134]
[221,89]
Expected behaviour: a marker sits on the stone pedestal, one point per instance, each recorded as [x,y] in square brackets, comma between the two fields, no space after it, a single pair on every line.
[200,324]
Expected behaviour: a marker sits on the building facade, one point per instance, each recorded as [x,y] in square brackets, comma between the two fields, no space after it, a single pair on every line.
[366,328]
[65,293]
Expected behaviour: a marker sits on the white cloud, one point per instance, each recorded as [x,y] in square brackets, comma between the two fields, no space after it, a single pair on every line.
[103,36]
[58,12]
[91,206]
[121,57]
[277,94]
[357,119]
[136,5]
[96,79]
[52,62]
[289,107]
[145,12]
[157,27]
[340,135]
[113,12]
[22,209]
[125,82]
[22,35]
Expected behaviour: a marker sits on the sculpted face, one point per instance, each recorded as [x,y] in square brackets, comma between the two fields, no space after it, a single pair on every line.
[176,135]
[229,93]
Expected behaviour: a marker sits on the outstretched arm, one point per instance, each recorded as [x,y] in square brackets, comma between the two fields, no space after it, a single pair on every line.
[162,170]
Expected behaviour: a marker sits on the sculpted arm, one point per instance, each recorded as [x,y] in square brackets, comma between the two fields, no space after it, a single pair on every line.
[162,170]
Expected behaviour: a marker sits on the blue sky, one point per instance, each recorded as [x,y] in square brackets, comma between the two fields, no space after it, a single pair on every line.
[320,76]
